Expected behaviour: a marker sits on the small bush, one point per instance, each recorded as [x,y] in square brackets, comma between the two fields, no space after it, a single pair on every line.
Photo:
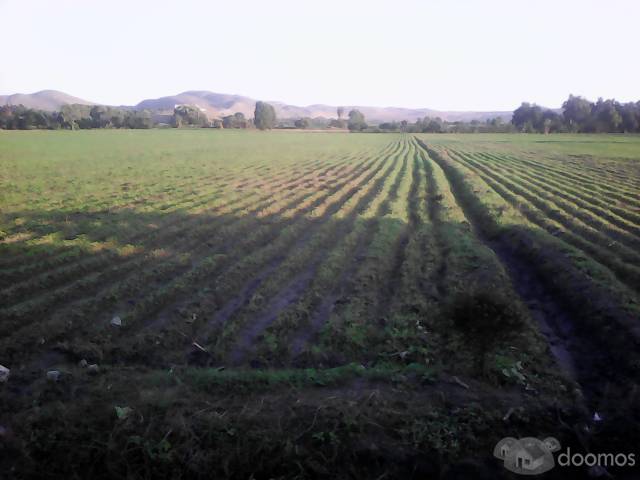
[483,312]
[484,318]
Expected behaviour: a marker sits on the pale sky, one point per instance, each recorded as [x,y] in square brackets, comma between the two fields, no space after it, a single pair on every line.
[448,55]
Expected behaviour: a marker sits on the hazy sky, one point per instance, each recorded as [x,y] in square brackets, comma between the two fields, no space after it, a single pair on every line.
[450,55]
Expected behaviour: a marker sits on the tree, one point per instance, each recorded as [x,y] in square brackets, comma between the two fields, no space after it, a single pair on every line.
[75,116]
[630,113]
[302,123]
[577,113]
[356,121]
[430,125]
[99,117]
[521,115]
[340,112]
[139,119]
[265,116]
[189,115]
[117,118]
[551,122]
[237,120]
[528,118]
[390,126]
[606,116]
[434,126]
[18,117]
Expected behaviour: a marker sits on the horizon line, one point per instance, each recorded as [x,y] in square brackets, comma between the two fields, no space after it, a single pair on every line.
[284,102]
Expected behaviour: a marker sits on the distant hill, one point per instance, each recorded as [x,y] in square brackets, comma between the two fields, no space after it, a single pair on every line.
[221,104]
[214,104]
[44,100]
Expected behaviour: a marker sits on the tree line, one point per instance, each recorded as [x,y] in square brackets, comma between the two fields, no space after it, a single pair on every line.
[578,115]
[77,116]
[73,117]
[438,125]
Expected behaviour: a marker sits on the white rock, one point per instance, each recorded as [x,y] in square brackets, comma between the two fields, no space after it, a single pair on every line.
[4,374]
[93,369]
[53,375]
[83,363]
[116,321]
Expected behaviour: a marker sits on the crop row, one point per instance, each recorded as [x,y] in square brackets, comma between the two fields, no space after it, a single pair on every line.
[561,220]
[137,228]
[110,295]
[298,323]
[193,222]
[598,193]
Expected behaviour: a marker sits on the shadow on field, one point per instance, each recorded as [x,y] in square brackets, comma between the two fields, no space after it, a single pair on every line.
[64,276]
[58,299]
[224,282]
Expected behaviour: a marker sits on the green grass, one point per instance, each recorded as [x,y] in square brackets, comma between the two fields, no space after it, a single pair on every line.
[603,146]
[315,273]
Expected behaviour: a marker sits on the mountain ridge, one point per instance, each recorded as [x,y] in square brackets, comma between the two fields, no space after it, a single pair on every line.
[43,100]
[217,105]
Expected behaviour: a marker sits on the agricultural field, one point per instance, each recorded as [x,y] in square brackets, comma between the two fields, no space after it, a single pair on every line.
[293,305]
